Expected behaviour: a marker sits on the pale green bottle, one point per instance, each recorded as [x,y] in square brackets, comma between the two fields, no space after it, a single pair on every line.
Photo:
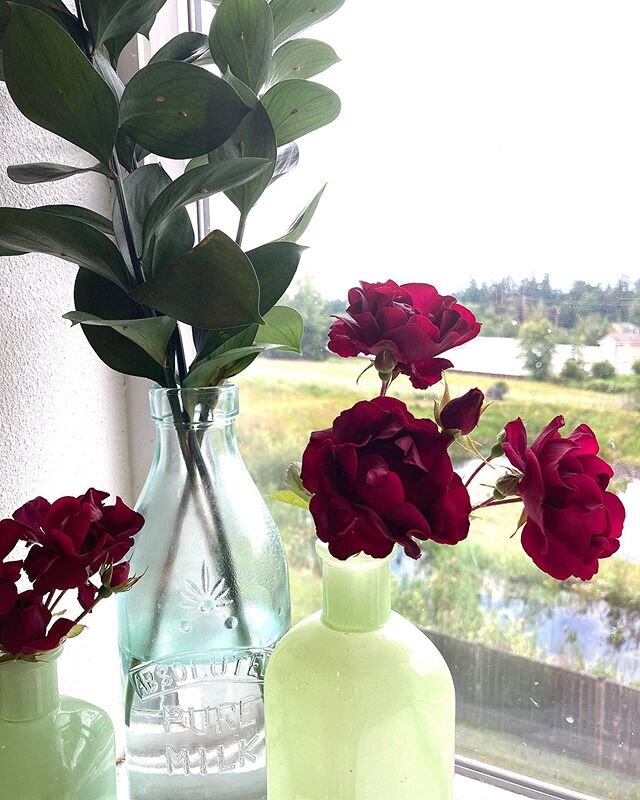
[51,747]
[359,704]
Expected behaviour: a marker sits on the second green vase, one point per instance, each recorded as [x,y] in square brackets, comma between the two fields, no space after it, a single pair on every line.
[359,703]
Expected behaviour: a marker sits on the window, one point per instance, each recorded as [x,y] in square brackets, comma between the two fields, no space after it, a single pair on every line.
[491,149]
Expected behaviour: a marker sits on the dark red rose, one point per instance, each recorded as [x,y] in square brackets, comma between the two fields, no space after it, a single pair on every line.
[73,537]
[379,477]
[9,570]
[412,322]
[462,413]
[572,520]
[23,630]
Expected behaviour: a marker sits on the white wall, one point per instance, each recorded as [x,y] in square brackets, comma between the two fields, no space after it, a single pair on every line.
[63,423]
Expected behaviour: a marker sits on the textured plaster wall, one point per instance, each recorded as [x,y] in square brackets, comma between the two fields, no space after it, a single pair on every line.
[63,421]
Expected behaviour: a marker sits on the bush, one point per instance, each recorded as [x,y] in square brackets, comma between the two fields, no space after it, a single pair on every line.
[573,370]
[603,370]
[498,390]
[636,367]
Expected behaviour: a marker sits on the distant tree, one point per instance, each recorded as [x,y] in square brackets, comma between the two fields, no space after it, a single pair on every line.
[603,370]
[537,345]
[590,328]
[573,370]
[636,367]
[314,309]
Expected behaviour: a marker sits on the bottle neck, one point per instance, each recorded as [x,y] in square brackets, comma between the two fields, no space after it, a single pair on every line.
[356,592]
[29,690]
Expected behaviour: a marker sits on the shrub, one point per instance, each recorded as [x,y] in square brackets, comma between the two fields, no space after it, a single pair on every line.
[636,367]
[573,370]
[603,370]
[498,390]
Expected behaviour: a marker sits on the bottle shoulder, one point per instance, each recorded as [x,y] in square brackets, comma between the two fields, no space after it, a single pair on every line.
[396,645]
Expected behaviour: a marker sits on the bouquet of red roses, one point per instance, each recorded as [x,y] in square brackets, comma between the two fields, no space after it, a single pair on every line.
[380,476]
[68,543]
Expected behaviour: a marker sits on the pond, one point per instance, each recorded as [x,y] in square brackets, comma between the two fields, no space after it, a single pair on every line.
[567,629]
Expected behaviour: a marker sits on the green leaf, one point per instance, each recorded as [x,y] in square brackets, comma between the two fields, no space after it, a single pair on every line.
[301,59]
[299,107]
[187,47]
[256,138]
[241,39]
[115,22]
[220,341]
[81,214]
[213,286]
[108,74]
[151,334]
[213,370]
[292,16]
[45,172]
[275,265]
[34,231]
[196,184]
[290,498]
[179,110]
[54,85]
[287,160]
[75,631]
[301,223]
[53,8]
[94,295]
[284,327]
[173,237]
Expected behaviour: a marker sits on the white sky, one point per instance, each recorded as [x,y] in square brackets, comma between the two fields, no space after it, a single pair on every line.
[485,138]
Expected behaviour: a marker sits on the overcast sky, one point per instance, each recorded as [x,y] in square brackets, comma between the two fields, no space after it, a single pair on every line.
[478,138]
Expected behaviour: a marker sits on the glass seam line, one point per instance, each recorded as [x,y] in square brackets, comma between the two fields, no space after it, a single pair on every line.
[512,782]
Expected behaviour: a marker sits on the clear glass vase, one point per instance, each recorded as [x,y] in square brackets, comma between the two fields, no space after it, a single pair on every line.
[51,747]
[197,631]
[359,703]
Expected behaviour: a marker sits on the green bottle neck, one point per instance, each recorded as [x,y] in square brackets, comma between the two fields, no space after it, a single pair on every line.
[356,592]
[29,690]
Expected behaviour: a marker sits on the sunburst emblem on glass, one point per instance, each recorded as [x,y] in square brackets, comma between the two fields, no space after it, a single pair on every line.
[207,597]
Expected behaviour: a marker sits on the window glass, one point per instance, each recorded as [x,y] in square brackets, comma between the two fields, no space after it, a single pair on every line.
[490,149]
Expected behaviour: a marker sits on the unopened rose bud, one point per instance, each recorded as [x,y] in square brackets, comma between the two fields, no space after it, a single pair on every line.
[507,485]
[385,364]
[120,574]
[462,413]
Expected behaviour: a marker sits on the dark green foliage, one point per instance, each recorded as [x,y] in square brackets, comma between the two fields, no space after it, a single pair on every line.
[140,271]
[603,370]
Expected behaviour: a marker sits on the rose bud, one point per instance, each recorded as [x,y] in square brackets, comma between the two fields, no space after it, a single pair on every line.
[120,574]
[462,413]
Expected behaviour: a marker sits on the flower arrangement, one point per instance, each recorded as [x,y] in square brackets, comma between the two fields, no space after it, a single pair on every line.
[68,543]
[381,477]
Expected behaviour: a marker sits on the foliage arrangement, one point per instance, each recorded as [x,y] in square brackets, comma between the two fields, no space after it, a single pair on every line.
[139,272]
[69,541]
[381,477]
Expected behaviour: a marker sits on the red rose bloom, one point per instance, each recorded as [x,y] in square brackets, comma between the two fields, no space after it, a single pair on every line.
[379,477]
[462,413]
[73,537]
[23,630]
[572,520]
[412,322]
[9,570]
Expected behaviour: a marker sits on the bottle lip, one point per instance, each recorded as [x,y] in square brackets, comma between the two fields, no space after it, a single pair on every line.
[43,657]
[205,406]
[361,561]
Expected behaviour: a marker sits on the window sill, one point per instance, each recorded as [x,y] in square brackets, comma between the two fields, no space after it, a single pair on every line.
[469,786]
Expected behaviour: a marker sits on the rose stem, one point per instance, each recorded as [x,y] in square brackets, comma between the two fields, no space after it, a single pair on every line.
[59,598]
[489,503]
[475,472]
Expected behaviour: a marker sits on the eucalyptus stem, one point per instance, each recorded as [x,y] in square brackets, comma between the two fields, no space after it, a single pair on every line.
[241,226]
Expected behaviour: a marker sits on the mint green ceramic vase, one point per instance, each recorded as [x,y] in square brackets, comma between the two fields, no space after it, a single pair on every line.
[51,747]
[359,703]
